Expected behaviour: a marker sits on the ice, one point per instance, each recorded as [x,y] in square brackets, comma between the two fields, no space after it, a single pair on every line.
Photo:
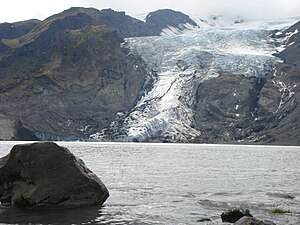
[178,63]
[183,28]
[237,22]
[284,40]
[182,62]
[286,91]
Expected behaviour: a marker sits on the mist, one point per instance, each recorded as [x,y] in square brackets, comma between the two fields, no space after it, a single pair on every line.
[15,10]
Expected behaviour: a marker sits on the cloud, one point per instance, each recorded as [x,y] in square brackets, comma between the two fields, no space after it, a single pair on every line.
[16,10]
[250,8]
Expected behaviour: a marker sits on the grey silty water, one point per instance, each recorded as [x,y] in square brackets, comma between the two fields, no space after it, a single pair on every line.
[179,184]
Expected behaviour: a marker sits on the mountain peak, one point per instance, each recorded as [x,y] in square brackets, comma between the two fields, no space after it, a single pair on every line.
[163,18]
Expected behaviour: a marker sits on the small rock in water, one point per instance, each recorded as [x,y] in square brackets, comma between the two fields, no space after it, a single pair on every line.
[234,214]
[45,175]
[252,221]
[204,220]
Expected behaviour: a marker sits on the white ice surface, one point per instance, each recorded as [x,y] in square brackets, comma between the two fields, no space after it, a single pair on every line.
[181,62]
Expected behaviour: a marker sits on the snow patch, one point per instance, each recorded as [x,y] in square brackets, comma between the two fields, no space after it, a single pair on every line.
[284,41]
[286,92]
[178,63]
[182,28]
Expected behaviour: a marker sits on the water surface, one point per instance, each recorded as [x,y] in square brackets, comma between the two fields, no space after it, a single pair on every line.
[179,184]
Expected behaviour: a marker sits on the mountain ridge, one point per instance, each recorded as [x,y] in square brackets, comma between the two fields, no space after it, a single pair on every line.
[76,58]
[72,77]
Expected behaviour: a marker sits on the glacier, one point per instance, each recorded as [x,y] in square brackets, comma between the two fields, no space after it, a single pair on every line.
[178,63]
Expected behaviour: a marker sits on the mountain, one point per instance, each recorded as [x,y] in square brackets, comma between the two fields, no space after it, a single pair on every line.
[217,20]
[15,30]
[215,85]
[287,81]
[68,76]
[18,29]
[166,20]
[292,41]
[102,75]
[263,109]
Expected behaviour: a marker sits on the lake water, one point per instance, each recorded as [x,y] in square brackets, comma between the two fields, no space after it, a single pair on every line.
[179,184]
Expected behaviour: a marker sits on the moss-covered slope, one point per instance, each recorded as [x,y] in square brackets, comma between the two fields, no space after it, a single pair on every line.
[65,78]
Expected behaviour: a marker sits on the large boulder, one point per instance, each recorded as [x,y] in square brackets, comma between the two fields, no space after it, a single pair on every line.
[234,214]
[45,175]
[252,221]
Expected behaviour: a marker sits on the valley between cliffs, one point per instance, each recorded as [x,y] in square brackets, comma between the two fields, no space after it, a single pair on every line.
[95,75]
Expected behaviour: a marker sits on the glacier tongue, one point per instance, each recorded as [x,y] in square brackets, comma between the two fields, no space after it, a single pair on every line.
[177,64]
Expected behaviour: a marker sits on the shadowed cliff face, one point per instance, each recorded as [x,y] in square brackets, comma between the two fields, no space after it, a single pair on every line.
[66,78]
[69,78]
[286,130]
[18,29]
[164,18]
[250,110]
[213,86]
[226,108]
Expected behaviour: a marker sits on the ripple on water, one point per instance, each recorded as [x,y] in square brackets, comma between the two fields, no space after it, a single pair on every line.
[179,184]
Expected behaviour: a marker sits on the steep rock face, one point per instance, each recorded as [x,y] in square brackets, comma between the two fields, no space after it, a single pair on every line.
[124,24]
[293,45]
[229,64]
[159,20]
[264,110]
[18,29]
[45,175]
[286,82]
[226,108]
[234,108]
[65,78]
[68,78]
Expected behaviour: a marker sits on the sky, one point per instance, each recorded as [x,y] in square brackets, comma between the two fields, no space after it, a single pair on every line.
[18,10]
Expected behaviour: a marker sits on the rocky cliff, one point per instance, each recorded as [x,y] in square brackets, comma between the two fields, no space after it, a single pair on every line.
[68,76]
[264,110]
[86,73]
[65,78]
[18,29]
[231,84]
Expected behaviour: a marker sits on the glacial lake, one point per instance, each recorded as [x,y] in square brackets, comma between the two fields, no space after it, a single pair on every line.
[179,184]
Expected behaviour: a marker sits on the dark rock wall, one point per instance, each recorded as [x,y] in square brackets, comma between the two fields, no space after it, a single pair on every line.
[227,114]
[236,109]
[18,29]
[160,19]
[67,79]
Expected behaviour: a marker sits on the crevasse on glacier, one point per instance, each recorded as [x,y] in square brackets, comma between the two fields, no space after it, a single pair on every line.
[177,64]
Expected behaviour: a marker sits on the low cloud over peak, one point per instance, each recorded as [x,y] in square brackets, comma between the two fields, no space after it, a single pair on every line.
[15,10]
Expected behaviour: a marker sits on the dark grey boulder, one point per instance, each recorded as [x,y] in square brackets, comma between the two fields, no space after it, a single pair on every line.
[45,175]
[234,214]
[252,221]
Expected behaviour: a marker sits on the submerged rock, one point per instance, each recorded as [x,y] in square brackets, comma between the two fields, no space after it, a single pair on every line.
[45,175]
[234,214]
[204,220]
[246,220]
